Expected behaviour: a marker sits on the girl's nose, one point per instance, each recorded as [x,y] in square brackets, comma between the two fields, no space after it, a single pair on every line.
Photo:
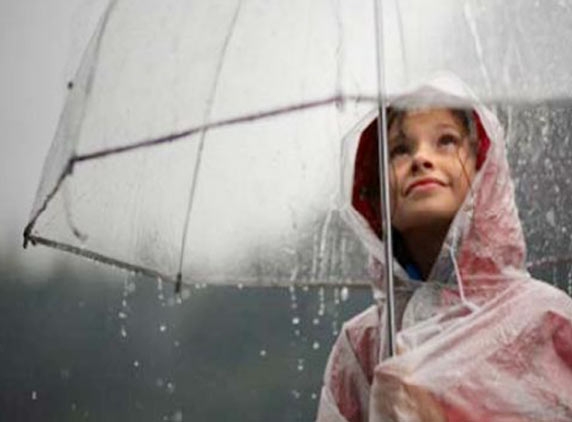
[421,160]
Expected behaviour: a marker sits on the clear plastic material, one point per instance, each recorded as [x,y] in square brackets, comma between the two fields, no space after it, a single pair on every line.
[203,139]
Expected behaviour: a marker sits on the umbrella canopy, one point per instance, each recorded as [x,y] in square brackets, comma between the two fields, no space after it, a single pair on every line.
[204,140]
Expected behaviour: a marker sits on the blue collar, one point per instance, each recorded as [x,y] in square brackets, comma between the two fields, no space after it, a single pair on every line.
[413,272]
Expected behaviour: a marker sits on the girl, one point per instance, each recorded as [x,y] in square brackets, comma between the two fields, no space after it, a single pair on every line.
[478,338]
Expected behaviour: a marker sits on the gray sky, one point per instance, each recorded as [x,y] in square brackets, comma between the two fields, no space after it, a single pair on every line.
[35,58]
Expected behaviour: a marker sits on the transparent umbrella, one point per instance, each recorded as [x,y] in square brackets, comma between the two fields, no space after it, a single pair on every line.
[203,141]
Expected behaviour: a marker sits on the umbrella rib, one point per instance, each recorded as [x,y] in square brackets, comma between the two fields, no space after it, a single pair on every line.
[95,256]
[104,259]
[201,146]
[176,136]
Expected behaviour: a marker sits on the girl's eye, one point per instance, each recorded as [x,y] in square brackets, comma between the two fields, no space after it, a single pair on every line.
[399,149]
[448,140]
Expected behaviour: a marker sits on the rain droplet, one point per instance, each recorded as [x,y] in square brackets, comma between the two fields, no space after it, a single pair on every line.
[316,321]
[170,387]
[122,315]
[136,363]
[550,217]
[185,294]
[159,383]
[240,286]
[316,345]
[176,343]
[162,328]
[300,365]
[296,394]
[295,321]
[344,294]
[297,333]
[34,395]
[130,287]
[123,332]
[177,416]
[263,353]
[314,396]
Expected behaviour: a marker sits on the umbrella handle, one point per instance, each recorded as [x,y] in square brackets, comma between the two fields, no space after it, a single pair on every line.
[384,182]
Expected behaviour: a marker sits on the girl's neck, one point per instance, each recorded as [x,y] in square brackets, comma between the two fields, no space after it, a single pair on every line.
[424,245]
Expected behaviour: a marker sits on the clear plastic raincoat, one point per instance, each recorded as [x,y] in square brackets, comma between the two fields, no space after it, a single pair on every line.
[480,340]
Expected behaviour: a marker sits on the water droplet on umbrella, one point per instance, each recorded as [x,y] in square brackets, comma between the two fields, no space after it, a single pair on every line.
[550,217]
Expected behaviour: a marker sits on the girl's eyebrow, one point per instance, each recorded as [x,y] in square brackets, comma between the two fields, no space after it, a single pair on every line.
[400,137]
[443,125]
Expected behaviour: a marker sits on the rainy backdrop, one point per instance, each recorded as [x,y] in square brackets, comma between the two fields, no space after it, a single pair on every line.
[80,342]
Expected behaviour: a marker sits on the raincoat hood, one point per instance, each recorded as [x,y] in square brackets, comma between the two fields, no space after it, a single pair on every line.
[485,239]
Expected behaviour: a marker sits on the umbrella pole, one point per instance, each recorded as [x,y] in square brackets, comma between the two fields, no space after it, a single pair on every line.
[384,182]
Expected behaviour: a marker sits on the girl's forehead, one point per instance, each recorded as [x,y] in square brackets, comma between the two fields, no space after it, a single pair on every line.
[420,120]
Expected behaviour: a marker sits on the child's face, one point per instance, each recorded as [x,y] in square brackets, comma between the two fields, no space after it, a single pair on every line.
[432,166]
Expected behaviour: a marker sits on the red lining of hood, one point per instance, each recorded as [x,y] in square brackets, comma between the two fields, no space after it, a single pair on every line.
[366,193]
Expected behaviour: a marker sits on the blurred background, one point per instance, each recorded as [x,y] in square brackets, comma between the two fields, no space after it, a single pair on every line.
[82,342]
